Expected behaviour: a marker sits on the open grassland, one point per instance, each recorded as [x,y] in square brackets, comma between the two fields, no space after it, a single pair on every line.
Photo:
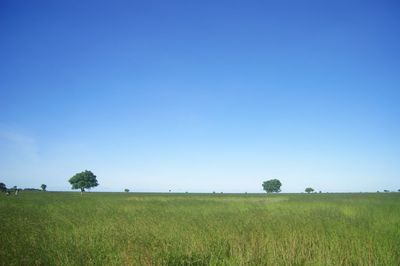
[45,228]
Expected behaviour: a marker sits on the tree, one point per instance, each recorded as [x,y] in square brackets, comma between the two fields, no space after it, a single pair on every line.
[309,190]
[43,186]
[3,187]
[271,186]
[83,180]
[126,190]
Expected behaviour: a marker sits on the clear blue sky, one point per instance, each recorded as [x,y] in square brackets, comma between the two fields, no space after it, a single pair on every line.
[201,95]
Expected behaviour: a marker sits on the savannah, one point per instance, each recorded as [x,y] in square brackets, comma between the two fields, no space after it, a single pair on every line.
[182,109]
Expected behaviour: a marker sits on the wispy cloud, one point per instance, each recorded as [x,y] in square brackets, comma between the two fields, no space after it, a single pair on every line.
[18,143]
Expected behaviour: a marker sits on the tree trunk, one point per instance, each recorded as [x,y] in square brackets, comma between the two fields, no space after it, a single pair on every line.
[82,189]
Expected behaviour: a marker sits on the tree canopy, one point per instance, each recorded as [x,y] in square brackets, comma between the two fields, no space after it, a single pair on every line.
[309,190]
[3,187]
[43,186]
[271,186]
[83,180]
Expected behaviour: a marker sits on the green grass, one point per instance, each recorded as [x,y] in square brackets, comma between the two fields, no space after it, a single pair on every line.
[44,228]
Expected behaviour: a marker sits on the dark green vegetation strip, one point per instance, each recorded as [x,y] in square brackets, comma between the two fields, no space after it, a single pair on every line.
[43,228]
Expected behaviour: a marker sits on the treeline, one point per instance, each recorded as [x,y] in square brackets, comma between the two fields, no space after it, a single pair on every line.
[32,189]
[15,189]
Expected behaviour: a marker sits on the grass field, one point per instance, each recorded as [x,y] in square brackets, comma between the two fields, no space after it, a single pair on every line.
[45,228]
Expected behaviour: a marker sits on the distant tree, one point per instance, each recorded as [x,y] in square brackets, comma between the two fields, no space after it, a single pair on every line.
[271,186]
[126,190]
[398,190]
[309,190]
[43,186]
[3,187]
[386,191]
[83,180]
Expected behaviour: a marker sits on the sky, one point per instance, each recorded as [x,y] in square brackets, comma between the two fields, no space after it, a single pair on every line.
[201,96]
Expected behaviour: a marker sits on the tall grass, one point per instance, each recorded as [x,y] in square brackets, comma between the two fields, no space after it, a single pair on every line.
[45,228]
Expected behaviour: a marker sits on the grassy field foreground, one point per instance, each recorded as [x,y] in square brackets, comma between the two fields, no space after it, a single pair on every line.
[45,228]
